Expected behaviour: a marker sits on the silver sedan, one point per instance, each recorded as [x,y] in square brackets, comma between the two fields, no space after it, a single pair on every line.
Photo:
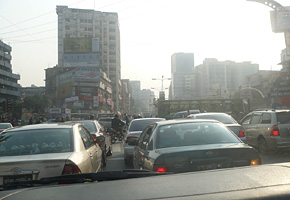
[44,150]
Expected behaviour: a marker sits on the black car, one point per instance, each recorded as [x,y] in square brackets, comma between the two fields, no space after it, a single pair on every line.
[191,145]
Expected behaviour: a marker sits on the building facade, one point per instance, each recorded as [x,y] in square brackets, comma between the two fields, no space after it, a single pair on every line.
[182,74]
[88,38]
[9,87]
[220,79]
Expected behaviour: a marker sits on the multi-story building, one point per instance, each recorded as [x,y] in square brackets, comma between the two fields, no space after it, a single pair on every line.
[182,73]
[135,89]
[147,108]
[126,97]
[216,79]
[88,38]
[80,89]
[33,90]
[9,88]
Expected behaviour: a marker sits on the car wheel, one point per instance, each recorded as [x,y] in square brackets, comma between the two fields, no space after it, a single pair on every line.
[104,159]
[110,152]
[262,145]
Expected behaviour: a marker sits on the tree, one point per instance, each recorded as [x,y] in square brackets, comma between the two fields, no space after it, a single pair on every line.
[38,103]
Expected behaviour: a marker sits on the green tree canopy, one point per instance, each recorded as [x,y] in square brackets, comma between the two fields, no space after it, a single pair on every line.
[38,103]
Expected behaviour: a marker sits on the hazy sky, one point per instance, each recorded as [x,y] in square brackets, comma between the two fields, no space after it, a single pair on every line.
[151,31]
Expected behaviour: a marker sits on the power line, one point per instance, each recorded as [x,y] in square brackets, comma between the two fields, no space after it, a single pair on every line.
[27,28]
[31,33]
[37,16]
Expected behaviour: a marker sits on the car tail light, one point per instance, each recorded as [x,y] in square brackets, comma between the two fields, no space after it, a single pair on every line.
[95,137]
[71,169]
[241,133]
[256,161]
[275,130]
[160,168]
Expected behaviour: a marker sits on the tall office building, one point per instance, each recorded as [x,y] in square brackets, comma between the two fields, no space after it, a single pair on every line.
[218,79]
[9,88]
[182,74]
[90,39]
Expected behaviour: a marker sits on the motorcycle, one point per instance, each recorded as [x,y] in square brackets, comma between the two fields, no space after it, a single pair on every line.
[115,136]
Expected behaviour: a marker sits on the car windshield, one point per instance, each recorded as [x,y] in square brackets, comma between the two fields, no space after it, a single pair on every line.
[189,134]
[90,126]
[221,118]
[139,125]
[32,142]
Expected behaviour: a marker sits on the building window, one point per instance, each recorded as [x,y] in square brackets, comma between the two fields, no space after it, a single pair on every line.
[112,38]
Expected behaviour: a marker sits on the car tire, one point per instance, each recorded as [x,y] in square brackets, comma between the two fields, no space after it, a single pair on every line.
[262,145]
[104,159]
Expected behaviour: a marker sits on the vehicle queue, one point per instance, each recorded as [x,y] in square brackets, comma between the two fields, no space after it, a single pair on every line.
[201,141]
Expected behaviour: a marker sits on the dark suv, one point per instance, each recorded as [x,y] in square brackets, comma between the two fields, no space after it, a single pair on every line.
[267,129]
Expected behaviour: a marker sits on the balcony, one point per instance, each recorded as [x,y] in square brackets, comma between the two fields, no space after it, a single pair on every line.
[9,92]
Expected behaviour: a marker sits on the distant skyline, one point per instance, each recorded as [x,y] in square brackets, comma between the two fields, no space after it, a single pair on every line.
[151,31]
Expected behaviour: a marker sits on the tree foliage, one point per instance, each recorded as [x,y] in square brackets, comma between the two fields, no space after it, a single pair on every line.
[38,103]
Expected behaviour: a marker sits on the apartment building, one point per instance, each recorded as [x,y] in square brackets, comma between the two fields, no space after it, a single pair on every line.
[9,88]
[89,38]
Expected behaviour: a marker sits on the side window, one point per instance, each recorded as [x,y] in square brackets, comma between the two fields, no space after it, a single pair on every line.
[86,137]
[247,120]
[141,137]
[256,119]
[146,138]
[266,118]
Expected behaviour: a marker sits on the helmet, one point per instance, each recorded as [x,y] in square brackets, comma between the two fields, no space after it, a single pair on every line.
[116,116]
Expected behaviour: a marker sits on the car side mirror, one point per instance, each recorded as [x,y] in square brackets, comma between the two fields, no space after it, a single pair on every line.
[100,139]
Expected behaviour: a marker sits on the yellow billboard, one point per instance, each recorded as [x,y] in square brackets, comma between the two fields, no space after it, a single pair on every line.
[77,45]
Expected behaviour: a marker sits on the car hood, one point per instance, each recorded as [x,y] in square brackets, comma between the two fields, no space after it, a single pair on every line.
[235,183]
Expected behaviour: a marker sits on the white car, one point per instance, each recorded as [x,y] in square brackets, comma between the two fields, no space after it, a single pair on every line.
[37,151]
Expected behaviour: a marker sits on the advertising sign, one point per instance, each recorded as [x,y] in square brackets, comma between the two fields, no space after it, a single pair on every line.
[65,78]
[88,74]
[78,105]
[280,20]
[95,101]
[77,45]
[70,99]
[81,45]
[81,59]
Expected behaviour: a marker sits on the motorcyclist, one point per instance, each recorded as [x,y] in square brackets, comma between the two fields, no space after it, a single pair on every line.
[117,124]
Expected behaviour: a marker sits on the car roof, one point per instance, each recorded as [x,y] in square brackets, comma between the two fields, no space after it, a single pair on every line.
[144,119]
[180,121]
[42,126]
[211,113]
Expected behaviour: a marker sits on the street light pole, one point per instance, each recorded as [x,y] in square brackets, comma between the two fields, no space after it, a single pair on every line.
[162,79]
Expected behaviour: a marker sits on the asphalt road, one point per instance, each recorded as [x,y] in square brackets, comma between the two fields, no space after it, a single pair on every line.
[116,161]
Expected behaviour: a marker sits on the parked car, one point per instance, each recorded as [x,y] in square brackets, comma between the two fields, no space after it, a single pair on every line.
[43,150]
[191,145]
[100,135]
[268,130]
[4,126]
[135,128]
[184,114]
[224,118]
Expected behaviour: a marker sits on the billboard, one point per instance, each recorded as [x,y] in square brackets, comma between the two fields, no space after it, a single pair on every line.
[81,59]
[66,78]
[88,74]
[81,45]
[280,20]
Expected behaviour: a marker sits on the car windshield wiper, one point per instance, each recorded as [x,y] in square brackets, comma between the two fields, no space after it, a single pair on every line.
[82,178]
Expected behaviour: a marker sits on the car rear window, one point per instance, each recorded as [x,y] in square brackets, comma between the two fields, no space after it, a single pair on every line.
[140,125]
[283,118]
[31,142]
[221,118]
[90,126]
[188,134]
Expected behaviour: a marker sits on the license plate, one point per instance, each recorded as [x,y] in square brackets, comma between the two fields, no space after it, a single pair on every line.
[16,178]
[210,166]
